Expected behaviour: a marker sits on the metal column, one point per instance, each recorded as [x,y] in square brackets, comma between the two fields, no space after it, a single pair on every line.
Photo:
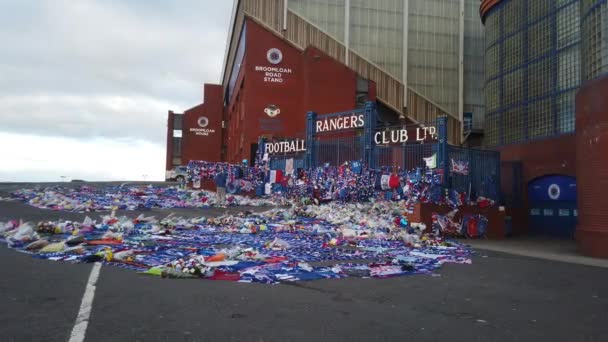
[311,119]
[368,132]
[442,148]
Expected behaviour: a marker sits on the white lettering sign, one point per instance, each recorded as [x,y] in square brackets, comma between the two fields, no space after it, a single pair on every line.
[401,136]
[202,131]
[336,124]
[285,146]
[273,74]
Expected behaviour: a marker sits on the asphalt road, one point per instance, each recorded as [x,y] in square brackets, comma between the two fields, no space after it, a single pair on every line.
[499,298]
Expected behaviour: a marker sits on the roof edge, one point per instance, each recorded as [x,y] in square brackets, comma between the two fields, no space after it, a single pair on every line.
[235,6]
[485,7]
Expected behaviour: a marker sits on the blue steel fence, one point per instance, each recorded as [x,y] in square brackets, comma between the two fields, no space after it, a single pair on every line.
[336,151]
[279,162]
[483,178]
[407,156]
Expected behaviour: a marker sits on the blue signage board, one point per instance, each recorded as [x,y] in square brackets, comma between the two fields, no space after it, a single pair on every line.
[552,188]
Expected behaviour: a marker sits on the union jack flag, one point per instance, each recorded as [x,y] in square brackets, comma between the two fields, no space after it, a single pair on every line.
[460,167]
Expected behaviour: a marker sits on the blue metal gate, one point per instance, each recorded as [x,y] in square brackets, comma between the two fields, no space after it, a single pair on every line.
[552,202]
[351,142]
[407,157]
[280,162]
[482,177]
[338,150]
[407,150]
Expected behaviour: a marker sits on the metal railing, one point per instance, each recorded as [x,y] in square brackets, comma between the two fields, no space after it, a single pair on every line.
[479,173]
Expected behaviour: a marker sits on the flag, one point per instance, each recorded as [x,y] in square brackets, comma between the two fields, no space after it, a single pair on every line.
[431,162]
[273,176]
[460,167]
[289,166]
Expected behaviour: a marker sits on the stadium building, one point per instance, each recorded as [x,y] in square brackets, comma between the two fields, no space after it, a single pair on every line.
[508,82]
[538,55]
[417,59]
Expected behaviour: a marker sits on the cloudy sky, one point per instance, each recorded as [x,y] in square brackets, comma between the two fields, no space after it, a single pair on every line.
[85,85]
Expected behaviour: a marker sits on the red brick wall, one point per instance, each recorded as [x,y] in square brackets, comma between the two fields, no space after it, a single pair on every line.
[169,154]
[317,82]
[204,147]
[592,167]
[259,94]
[329,85]
[544,157]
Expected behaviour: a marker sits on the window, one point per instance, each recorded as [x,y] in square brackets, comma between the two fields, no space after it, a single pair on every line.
[513,52]
[540,119]
[595,42]
[512,16]
[568,31]
[492,33]
[540,38]
[513,88]
[566,112]
[493,95]
[177,147]
[491,129]
[513,125]
[178,121]
[540,78]
[569,69]
[238,61]
[493,61]
[538,9]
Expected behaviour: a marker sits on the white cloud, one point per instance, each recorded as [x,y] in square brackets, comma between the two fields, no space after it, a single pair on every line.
[86,116]
[35,158]
[97,75]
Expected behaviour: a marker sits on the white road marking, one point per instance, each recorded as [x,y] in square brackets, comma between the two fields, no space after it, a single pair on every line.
[82,320]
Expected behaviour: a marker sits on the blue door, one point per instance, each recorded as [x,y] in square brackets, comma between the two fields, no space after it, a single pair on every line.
[552,203]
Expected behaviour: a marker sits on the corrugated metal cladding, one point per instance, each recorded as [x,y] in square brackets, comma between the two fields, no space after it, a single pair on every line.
[592,167]
[474,51]
[376,34]
[433,50]
[327,14]
[375,27]
[594,47]
[532,68]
